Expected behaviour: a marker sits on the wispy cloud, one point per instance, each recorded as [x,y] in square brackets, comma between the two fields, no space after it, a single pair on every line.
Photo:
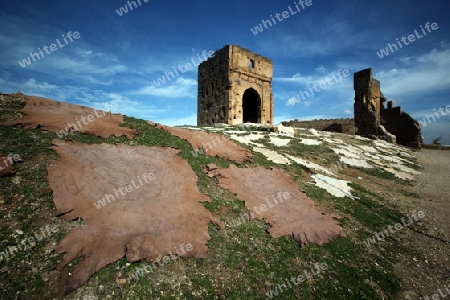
[281,118]
[187,120]
[418,74]
[180,88]
[306,93]
[313,117]
[90,97]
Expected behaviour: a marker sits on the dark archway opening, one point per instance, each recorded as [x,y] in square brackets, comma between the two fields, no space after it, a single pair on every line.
[251,106]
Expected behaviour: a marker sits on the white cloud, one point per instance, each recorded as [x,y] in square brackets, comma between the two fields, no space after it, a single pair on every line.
[332,78]
[130,107]
[180,88]
[292,101]
[321,69]
[309,91]
[420,74]
[296,99]
[39,87]
[297,78]
[189,120]
[281,118]
[313,117]
[97,99]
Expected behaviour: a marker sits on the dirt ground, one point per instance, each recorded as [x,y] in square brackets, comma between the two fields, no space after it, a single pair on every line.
[429,269]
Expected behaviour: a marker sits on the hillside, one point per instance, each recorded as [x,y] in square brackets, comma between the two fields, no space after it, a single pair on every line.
[340,240]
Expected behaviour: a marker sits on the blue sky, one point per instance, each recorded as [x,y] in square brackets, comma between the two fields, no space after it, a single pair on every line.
[117,58]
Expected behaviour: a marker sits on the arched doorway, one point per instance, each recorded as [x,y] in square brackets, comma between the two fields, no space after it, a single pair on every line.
[251,106]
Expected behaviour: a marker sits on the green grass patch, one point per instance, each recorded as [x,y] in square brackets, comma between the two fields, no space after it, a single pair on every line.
[244,262]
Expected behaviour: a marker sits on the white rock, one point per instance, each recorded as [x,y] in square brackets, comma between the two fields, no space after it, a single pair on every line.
[273,156]
[399,174]
[279,142]
[336,187]
[310,165]
[406,169]
[285,129]
[310,142]
[355,162]
[247,139]
[313,132]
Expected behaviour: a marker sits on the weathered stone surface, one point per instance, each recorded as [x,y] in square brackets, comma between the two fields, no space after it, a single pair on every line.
[280,128]
[346,126]
[373,120]
[367,104]
[234,87]
[403,126]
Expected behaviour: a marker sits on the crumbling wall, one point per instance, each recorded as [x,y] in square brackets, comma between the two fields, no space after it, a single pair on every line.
[402,125]
[213,89]
[250,71]
[224,79]
[346,126]
[367,104]
[373,120]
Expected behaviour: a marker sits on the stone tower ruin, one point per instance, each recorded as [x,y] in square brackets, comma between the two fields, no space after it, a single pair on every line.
[374,119]
[235,87]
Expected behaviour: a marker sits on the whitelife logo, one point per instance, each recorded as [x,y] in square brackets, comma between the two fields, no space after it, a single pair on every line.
[9,161]
[281,17]
[436,295]
[183,68]
[286,285]
[431,118]
[28,242]
[123,191]
[124,9]
[262,208]
[318,87]
[53,47]
[165,260]
[73,127]
[411,38]
[390,229]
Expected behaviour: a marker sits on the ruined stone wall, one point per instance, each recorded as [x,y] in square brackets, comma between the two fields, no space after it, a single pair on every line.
[403,126]
[213,89]
[346,126]
[225,78]
[373,120]
[244,77]
[367,103]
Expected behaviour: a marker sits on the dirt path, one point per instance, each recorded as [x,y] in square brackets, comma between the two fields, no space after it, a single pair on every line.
[434,183]
[429,270]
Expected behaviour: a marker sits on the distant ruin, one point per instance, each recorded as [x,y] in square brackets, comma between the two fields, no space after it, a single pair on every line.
[346,126]
[373,119]
[235,87]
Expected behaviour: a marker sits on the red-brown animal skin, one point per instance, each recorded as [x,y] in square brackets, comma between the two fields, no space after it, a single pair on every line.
[159,212]
[274,197]
[211,144]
